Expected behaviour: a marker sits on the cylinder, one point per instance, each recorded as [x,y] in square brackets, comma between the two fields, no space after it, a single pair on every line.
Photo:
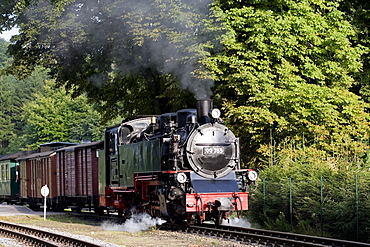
[203,108]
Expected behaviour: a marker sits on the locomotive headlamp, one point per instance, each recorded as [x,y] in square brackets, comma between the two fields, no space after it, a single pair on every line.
[215,113]
[181,178]
[252,175]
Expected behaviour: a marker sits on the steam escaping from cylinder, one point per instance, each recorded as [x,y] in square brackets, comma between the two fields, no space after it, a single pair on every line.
[240,222]
[137,223]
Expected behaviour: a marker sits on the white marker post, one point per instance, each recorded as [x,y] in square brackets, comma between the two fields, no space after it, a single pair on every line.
[45,193]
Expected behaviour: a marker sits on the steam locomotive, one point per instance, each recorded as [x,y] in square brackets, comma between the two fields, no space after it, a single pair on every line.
[183,165]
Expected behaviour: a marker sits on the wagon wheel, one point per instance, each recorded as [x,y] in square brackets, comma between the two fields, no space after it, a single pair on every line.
[99,210]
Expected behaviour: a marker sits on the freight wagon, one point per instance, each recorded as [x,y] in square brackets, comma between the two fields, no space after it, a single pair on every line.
[39,169]
[77,175]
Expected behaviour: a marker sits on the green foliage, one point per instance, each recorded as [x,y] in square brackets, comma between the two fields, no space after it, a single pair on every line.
[4,58]
[296,174]
[54,116]
[7,17]
[358,14]
[14,94]
[286,72]
[33,112]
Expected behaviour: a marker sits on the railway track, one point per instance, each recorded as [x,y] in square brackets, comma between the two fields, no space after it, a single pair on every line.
[36,237]
[262,237]
[249,236]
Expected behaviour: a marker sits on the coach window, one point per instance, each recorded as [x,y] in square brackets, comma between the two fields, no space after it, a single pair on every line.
[112,143]
[17,174]
[124,135]
[3,172]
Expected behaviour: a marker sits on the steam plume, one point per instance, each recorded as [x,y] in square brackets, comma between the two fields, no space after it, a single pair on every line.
[138,223]
[126,37]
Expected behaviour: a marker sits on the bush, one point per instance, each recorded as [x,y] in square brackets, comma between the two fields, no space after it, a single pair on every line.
[308,194]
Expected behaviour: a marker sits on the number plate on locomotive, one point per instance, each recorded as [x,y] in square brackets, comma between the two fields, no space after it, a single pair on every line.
[213,150]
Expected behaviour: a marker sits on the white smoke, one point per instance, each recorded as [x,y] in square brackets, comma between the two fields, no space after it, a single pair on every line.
[241,222]
[138,223]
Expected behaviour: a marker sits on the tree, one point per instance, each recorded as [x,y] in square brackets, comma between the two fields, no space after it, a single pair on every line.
[7,17]
[358,14]
[13,95]
[34,111]
[285,73]
[6,126]
[129,57]
[4,58]
[54,116]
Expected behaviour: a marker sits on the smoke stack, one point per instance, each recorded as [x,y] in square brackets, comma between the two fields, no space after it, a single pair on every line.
[203,108]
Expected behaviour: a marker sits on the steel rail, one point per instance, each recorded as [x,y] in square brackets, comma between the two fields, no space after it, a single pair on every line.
[307,239]
[262,237]
[40,237]
[21,237]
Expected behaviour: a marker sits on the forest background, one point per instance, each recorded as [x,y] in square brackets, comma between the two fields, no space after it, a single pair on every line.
[291,78]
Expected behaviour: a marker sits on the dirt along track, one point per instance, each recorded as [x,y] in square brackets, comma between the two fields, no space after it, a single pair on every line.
[17,210]
[106,232]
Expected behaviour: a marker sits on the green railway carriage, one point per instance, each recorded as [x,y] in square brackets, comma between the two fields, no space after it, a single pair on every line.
[10,177]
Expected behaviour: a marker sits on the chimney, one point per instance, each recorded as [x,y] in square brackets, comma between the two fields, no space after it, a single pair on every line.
[203,108]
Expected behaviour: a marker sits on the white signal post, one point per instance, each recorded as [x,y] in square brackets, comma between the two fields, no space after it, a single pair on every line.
[45,192]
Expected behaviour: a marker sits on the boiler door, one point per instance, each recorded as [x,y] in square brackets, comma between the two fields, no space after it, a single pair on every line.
[212,150]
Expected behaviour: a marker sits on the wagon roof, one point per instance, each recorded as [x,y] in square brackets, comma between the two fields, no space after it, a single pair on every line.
[37,155]
[17,155]
[83,145]
[57,143]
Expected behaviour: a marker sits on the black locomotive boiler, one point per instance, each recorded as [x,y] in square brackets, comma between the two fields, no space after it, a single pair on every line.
[179,165]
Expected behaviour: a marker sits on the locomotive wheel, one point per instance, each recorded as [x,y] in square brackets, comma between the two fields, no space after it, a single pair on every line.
[194,220]
[197,220]
[218,220]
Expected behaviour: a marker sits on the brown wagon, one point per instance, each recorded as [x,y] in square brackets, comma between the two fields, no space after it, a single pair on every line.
[77,176]
[36,171]
[69,170]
